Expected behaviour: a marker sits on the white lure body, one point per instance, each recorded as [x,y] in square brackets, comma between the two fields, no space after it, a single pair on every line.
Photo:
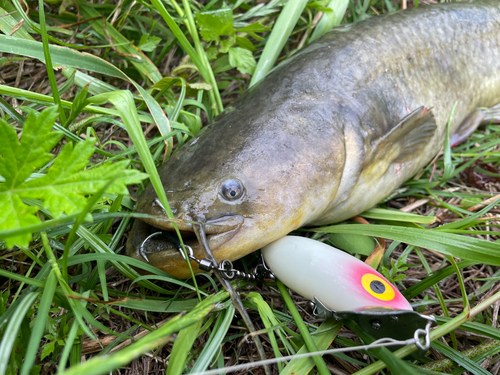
[338,280]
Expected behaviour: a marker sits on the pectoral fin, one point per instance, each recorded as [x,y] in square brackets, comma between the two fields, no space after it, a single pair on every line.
[408,138]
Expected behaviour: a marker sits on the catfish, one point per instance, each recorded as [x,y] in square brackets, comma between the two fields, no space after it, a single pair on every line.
[328,133]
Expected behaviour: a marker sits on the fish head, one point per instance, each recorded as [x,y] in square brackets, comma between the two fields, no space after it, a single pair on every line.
[250,184]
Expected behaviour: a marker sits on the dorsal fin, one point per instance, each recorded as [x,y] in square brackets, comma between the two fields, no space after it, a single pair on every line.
[409,137]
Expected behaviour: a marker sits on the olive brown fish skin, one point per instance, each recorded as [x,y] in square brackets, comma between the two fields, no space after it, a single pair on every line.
[317,141]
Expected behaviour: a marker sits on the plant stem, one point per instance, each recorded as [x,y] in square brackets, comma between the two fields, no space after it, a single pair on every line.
[446,363]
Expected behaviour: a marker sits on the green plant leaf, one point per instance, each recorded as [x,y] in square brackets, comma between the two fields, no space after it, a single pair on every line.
[242,59]
[353,243]
[255,27]
[19,159]
[65,186]
[214,24]
[226,44]
[79,103]
[13,325]
[47,349]
[394,363]
[148,43]
[271,323]
[245,43]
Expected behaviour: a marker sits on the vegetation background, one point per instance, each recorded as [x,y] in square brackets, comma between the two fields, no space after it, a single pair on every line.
[83,91]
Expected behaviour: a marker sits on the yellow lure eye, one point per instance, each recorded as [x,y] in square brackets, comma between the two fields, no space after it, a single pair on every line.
[378,287]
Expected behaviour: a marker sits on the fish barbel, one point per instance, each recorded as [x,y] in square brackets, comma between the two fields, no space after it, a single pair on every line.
[328,133]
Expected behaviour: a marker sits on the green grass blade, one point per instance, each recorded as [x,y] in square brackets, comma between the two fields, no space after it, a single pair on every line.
[21,278]
[468,248]
[39,324]
[7,23]
[212,346]
[168,306]
[278,37]
[159,116]
[330,19]
[396,215]
[80,219]
[101,270]
[43,273]
[327,332]
[111,346]
[468,221]
[182,346]
[48,62]
[76,307]
[105,253]
[96,86]
[271,323]
[60,56]
[68,346]
[68,57]
[202,54]
[10,335]
[437,290]
[460,281]
[474,327]
[7,108]
[98,245]
[311,346]
[436,277]
[393,363]
[103,365]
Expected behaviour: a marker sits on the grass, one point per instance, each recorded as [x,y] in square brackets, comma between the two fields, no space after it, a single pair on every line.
[105,73]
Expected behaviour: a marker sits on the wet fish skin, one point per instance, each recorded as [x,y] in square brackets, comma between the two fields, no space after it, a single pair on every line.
[321,138]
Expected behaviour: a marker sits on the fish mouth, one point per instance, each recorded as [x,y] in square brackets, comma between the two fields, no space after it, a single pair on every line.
[155,241]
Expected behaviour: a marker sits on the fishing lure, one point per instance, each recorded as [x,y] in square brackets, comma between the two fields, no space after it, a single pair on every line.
[338,285]
[337,279]
[345,288]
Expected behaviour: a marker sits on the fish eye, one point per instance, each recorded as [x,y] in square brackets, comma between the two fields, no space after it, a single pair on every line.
[378,287]
[231,190]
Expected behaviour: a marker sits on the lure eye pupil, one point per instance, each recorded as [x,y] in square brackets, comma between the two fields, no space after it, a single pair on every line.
[231,189]
[377,287]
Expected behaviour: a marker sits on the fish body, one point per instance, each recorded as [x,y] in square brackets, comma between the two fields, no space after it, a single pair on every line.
[330,132]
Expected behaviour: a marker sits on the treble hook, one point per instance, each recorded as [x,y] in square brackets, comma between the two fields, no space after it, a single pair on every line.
[141,249]
[172,239]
